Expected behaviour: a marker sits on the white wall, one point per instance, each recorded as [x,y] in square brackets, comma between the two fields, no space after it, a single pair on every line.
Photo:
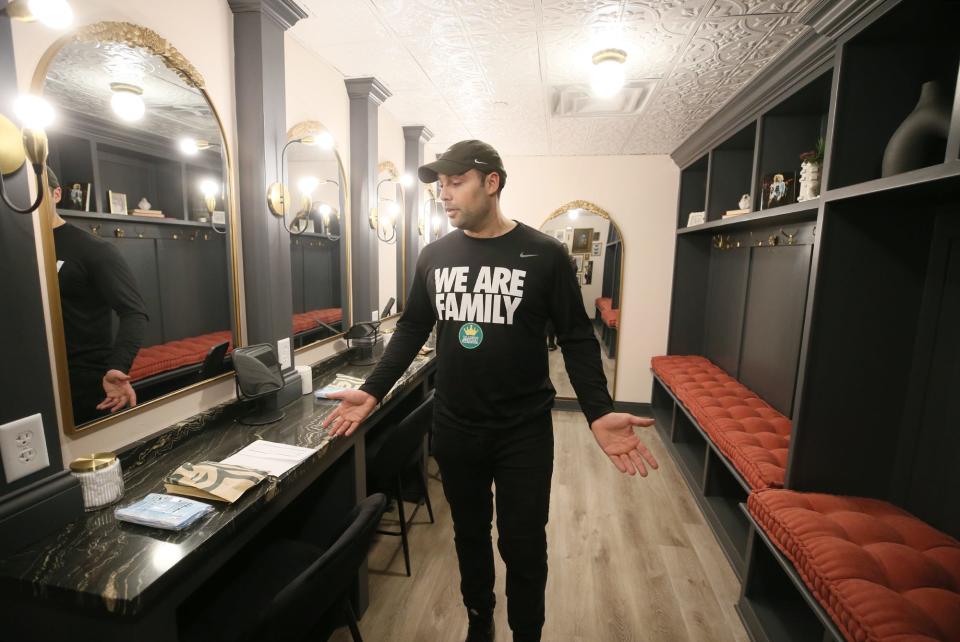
[640,193]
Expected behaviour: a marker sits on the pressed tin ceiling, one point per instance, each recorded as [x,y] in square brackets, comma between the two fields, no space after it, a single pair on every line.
[495,69]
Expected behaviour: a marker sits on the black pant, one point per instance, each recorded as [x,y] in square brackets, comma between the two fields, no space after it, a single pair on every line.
[519,461]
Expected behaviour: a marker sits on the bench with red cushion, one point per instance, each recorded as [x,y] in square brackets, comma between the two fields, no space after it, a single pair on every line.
[750,433]
[308,320]
[881,574]
[163,357]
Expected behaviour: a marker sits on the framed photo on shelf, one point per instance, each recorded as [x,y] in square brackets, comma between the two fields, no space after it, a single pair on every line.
[696,218]
[587,272]
[118,202]
[596,235]
[779,188]
[579,259]
[597,248]
[76,196]
[582,237]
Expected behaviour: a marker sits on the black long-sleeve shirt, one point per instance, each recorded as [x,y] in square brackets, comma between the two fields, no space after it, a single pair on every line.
[94,279]
[491,299]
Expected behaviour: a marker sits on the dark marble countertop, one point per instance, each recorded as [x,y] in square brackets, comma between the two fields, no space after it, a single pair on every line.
[100,564]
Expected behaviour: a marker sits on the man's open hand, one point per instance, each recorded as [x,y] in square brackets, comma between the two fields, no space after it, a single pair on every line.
[614,433]
[353,408]
[119,393]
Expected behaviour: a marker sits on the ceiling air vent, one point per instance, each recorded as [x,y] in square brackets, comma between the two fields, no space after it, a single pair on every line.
[578,100]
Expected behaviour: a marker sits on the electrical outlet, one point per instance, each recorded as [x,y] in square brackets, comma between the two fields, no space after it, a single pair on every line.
[23,448]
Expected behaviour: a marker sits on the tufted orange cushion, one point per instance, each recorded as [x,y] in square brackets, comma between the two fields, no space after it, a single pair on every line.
[175,354]
[882,574]
[308,320]
[746,429]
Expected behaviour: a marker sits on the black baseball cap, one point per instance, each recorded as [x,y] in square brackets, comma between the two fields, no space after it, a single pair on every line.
[52,179]
[462,157]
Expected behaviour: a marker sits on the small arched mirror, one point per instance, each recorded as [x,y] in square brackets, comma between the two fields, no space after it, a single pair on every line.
[139,247]
[387,220]
[318,246]
[595,245]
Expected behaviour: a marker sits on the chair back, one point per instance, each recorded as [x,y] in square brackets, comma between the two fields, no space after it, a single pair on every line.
[401,441]
[213,363]
[326,580]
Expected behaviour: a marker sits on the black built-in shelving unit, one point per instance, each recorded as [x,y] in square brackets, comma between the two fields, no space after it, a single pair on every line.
[847,323]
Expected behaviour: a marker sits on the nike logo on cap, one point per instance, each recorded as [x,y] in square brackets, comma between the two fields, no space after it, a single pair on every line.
[527,256]
[479,162]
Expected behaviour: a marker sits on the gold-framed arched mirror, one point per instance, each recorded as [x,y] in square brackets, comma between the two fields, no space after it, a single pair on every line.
[140,254]
[595,244]
[318,252]
[387,220]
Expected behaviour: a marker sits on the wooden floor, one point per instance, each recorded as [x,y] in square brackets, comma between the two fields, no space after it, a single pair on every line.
[560,379]
[630,559]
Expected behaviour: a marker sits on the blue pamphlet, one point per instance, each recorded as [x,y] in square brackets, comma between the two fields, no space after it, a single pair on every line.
[163,511]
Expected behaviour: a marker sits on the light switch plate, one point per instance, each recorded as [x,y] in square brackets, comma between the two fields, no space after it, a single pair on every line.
[283,352]
[23,447]
[375,316]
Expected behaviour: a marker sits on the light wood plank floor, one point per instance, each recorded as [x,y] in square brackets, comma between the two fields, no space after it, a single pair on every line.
[630,559]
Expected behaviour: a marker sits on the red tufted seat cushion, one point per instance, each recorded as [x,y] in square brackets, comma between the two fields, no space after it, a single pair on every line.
[308,320]
[882,574]
[175,354]
[747,430]
[611,318]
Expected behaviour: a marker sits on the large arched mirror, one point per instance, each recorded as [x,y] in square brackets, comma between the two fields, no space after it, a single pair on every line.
[318,245]
[387,221]
[595,245]
[140,251]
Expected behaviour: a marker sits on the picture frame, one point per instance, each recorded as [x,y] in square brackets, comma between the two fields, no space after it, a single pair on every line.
[696,218]
[597,248]
[587,272]
[596,235]
[582,238]
[579,259]
[778,188]
[75,196]
[118,202]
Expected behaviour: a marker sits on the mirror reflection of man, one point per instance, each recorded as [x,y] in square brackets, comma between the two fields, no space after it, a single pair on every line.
[95,280]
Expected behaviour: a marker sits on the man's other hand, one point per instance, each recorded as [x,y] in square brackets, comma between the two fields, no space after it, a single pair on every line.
[353,408]
[614,433]
[119,393]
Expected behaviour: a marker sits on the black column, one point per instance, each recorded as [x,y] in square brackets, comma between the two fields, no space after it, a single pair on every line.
[366,96]
[414,138]
[258,28]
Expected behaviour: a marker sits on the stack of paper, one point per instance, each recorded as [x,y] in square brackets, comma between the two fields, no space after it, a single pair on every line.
[163,511]
[269,456]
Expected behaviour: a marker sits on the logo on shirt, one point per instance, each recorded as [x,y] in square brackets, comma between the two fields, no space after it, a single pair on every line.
[471,335]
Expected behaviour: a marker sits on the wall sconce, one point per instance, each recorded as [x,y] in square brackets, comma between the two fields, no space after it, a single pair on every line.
[55,14]
[193,146]
[386,226]
[28,143]
[278,195]
[209,188]
[432,208]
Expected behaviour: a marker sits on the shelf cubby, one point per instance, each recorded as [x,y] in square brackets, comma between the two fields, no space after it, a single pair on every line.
[731,172]
[790,128]
[882,71]
[693,190]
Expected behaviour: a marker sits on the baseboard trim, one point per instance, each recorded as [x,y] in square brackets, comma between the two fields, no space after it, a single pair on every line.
[633,407]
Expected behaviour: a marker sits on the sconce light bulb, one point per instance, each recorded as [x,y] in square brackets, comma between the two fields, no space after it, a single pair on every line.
[189,146]
[393,210]
[437,220]
[307,185]
[406,180]
[55,14]
[325,140]
[33,112]
[126,101]
[325,210]
[209,187]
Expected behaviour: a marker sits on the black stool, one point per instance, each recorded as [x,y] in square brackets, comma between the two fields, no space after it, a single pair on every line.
[395,450]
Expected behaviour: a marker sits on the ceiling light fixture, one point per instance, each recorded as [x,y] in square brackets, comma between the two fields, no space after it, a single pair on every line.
[608,74]
[55,14]
[191,146]
[126,101]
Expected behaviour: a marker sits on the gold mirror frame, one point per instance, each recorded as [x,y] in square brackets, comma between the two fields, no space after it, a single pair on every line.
[315,128]
[390,169]
[140,37]
[599,211]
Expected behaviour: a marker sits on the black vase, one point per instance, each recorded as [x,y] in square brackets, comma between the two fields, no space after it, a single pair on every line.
[921,139]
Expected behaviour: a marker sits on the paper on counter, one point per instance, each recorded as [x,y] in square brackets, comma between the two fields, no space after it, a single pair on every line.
[273,457]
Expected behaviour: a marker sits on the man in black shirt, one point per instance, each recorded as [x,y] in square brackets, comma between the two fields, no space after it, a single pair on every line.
[491,287]
[95,280]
